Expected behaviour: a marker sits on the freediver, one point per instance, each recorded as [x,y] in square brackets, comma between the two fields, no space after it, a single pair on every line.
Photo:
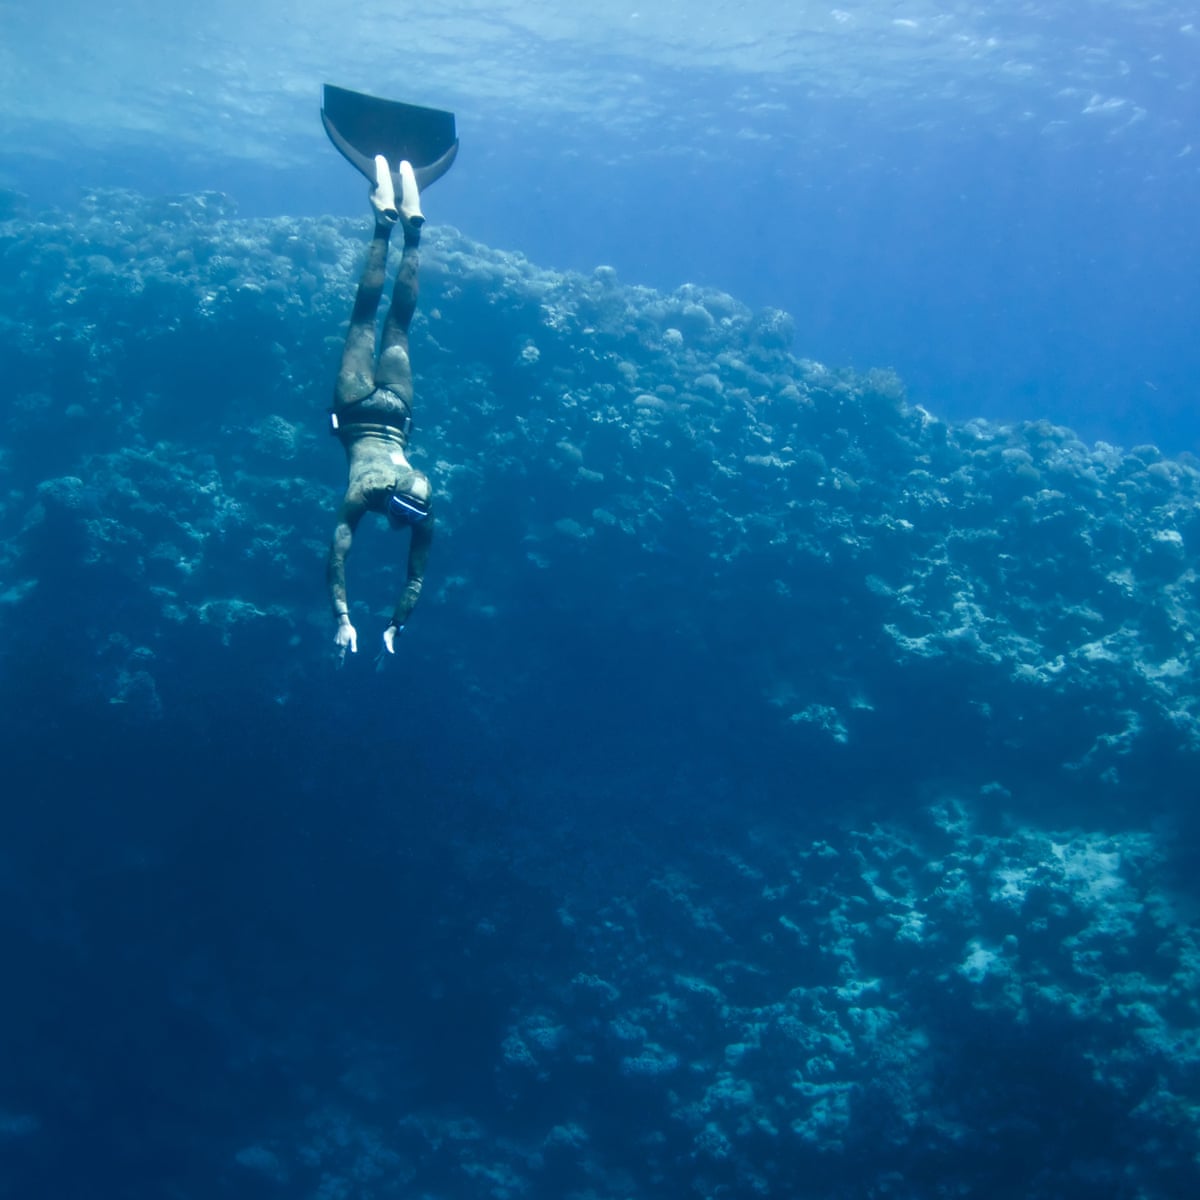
[400,149]
[372,411]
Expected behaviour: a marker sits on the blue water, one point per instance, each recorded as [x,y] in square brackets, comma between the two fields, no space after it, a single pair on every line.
[1000,207]
[785,785]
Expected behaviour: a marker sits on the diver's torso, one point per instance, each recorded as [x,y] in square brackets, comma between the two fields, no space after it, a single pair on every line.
[384,414]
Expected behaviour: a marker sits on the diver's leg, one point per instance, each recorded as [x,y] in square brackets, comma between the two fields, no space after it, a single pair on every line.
[394,369]
[356,376]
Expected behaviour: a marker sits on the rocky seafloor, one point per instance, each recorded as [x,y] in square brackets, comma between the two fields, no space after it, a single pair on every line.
[831,766]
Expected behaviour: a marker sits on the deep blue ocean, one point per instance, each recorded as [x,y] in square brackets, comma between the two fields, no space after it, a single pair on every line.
[785,785]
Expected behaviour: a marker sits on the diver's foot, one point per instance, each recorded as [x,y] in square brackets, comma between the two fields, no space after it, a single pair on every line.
[383,194]
[410,198]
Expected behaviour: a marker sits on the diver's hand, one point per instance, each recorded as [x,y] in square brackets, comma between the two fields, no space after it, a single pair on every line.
[389,637]
[347,639]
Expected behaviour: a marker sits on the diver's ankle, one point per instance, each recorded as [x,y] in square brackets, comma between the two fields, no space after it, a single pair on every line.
[410,197]
[383,194]
[385,217]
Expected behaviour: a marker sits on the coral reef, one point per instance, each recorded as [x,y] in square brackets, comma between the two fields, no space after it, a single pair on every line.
[834,756]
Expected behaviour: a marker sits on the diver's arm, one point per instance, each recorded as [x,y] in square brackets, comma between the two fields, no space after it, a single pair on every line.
[335,575]
[421,539]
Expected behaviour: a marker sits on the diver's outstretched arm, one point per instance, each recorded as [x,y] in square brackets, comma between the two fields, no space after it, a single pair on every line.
[418,556]
[335,574]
